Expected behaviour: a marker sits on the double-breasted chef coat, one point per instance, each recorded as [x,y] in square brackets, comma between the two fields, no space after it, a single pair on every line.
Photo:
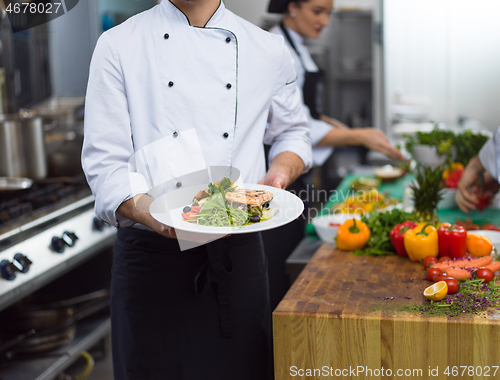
[155,81]
[165,100]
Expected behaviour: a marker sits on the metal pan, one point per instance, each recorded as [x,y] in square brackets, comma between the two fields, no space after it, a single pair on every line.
[11,183]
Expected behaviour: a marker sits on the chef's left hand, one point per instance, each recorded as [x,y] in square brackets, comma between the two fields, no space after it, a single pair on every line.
[274,179]
[285,168]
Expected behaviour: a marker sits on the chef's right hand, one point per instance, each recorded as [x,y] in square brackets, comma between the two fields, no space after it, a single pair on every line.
[375,139]
[137,209]
[470,185]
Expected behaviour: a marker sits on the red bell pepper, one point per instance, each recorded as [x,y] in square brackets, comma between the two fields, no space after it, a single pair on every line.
[397,236]
[454,178]
[452,240]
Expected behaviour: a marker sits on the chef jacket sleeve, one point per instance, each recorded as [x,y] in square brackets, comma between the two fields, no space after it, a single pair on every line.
[288,130]
[489,155]
[107,155]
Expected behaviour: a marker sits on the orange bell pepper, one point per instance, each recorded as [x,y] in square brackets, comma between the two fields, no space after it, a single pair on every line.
[352,234]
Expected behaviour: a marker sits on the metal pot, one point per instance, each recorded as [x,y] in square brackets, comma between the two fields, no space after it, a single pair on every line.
[22,146]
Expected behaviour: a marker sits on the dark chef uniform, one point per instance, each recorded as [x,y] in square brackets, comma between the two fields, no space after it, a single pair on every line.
[166,99]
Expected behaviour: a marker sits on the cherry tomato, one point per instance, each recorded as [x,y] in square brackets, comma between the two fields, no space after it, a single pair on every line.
[196,209]
[429,260]
[485,273]
[484,201]
[441,277]
[431,272]
[444,258]
[450,281]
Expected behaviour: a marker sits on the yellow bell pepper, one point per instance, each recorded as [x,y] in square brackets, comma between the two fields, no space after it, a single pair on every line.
[352,234]
[421,241]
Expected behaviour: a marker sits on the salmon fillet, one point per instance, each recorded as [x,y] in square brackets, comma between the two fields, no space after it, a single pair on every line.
[250,197]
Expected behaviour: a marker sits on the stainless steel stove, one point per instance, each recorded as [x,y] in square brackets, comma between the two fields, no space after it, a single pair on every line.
[48,231]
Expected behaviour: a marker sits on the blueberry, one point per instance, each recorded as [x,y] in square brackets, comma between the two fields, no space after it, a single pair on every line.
[186,209]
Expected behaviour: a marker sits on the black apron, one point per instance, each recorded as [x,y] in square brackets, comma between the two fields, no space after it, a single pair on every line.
[280,242]
[197,314]
[312,80]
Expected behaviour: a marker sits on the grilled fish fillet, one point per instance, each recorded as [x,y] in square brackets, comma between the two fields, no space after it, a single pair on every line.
[250,197]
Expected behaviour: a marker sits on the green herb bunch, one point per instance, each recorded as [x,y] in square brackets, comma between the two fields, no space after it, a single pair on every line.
[380,224]
[468,145]
[465,144]
[473,297]
[427,191]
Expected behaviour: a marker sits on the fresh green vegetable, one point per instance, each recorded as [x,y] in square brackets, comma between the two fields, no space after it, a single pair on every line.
[380,224]
[443,140]
[466,144]
[216,212]
[473,297]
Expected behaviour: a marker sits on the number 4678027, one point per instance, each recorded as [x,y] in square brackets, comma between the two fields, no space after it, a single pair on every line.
[464,370]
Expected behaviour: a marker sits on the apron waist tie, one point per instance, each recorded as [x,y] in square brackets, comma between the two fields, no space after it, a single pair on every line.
[217,269]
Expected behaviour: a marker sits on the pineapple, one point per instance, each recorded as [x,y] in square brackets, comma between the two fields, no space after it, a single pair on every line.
[427,191]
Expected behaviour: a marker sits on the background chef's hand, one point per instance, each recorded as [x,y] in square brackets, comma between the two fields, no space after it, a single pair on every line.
[285,168]
[376,140]
[470,186]
[137,209]
[369,137]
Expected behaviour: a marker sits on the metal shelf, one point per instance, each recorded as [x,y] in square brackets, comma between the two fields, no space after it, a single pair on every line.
[89,332]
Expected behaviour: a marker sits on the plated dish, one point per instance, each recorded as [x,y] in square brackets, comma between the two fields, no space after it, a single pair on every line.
[223,204]
[248,201]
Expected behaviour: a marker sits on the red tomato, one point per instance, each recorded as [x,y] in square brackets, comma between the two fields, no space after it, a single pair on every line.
[450,281]
[484,201]
[491,227]
[429,260]
[196,209]
[444,258]
[189,215]
[433,272]
[485,273]
[441,277]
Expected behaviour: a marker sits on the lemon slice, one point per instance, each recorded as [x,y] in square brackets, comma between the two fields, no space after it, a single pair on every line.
[437,291]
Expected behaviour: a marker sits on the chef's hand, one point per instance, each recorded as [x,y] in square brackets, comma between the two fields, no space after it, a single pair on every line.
[285,168]
[470,186]
[137,209]
[375,139]
[371,138]
[274,179]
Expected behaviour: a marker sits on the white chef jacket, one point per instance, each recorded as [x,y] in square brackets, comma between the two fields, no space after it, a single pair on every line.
[164,99]
[319,128]
[489,155]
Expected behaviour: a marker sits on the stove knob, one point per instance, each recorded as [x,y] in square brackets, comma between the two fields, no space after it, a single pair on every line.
[98,224]
[57,244]
[22,262]
[69,238]
[7,270]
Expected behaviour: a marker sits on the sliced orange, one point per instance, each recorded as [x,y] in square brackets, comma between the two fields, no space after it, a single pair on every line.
[478,245]
[437,291]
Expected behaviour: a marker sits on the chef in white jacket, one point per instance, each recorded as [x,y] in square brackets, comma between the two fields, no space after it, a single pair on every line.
[303,20]
[171,90]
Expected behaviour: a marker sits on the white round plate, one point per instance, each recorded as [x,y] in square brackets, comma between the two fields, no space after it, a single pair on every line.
[167,209]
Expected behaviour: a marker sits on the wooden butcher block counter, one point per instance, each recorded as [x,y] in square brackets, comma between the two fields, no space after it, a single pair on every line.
[324,327]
